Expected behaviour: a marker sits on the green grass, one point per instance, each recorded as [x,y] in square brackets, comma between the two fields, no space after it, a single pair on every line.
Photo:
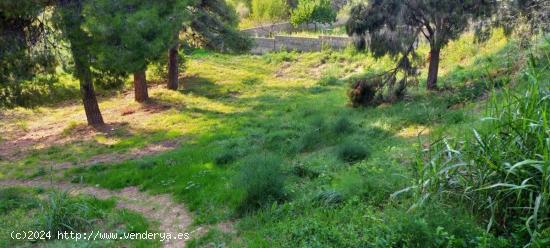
[500,169]
[34,209]
[340,165]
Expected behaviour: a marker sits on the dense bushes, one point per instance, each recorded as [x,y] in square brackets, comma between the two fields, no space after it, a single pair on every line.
[261,181]
[501,170]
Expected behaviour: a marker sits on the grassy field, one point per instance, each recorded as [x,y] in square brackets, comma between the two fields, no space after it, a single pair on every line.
[330,169]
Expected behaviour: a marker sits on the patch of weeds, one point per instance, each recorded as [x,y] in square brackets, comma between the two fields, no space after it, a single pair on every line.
[250,80]
[279,57]
[39,172]
[304,171]
[281,140]
[310,140]
[317,90]
[328,80]
[328,197]
[342,126]
[261,182]
[351,152]
[225,157]
[213,238]
[17,198]
[145,164]
[62,213]
[23,125]
[69,128]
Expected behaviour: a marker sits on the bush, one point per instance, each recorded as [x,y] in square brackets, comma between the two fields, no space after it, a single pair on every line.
[352,152]
[261,181]
[501,169]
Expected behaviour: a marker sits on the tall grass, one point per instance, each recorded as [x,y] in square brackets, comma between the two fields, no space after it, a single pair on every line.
[61,213]
[502,170]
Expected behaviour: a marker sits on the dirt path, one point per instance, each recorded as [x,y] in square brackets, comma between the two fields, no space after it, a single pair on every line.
[172,217]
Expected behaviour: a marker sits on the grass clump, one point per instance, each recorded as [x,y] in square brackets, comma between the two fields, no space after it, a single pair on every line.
[329,80]
[351,152]
[61,213]
[342,126]
[304,171]
[261,182]
[225,157]
[328,197]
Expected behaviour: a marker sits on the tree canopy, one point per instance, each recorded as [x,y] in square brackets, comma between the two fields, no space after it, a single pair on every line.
[393,25]
[313,11]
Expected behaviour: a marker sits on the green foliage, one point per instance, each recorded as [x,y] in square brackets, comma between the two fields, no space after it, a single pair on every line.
[226,157]
[127,35]
[251,81]
[501,169]
[329,197]
[350,151]
[214,26]
[261,180]
[62,213]
[269,10]
[343,126]
[14,198]
[304,171]
[313,11]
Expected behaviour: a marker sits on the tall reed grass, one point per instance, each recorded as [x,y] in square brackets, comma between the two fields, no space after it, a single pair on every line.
[501,170]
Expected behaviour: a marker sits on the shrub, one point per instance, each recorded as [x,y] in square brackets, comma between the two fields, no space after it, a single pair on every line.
[352,152]
[261,181]
[501,170]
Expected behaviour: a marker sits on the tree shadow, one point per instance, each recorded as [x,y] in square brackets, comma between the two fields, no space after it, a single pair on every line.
[200,86]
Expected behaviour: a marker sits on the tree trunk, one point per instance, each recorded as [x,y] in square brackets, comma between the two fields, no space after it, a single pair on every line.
[173,68]
[140,86]
[71,21]
[431,83]
[93,114]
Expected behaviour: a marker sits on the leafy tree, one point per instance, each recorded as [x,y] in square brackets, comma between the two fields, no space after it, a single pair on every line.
[213,26]
[130,34]
[313,11]
[526,17]
[269,10]
[392,25]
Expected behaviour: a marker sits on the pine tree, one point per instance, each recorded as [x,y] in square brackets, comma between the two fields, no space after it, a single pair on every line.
[214,27]
[392,25]
[130,34]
